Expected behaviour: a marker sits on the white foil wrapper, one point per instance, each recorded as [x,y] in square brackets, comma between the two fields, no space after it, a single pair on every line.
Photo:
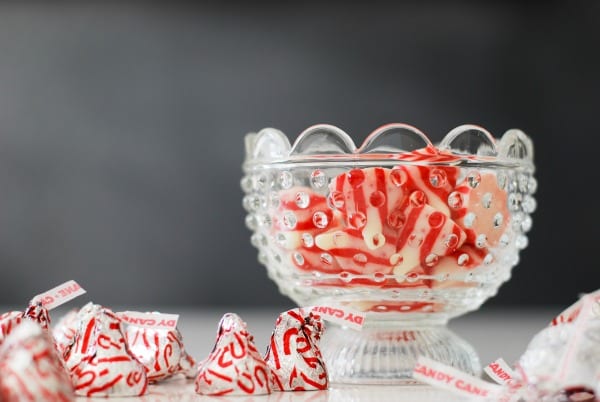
[38,313]
[566,355]
[293,354]
[543,363]
[99,360]
[188,366]
[161,351]
[30,368]
[65,329]
[234,367]
[8,322]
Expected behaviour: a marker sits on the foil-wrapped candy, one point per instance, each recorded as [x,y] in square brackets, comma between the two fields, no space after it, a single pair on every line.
[35,312]
[65,329]
[566,355]
[8,322]
[31,370]
[234,367]
[161,351]
[99,360]
[293,354]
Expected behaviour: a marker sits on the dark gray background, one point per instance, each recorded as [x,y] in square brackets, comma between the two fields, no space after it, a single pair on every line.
[122,124]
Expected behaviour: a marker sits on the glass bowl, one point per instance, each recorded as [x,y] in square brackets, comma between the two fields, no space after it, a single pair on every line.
[411,233]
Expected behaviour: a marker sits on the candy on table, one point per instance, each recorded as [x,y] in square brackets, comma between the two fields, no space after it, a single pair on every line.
[188,366]
[98,359]
[36,311]
[8,322]
[160,350]
[572,312]
[234,367]
[566,355]
[31,368]
[293,355]
[65,329]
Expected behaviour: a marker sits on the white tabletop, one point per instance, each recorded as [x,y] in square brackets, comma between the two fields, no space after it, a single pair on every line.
[494,333]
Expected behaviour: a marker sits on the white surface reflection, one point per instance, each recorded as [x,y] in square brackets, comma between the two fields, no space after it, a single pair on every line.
[181,390]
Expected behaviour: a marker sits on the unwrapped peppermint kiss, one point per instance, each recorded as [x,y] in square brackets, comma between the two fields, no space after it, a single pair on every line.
[99,360]
[293,354]
[30,368]
[234,367]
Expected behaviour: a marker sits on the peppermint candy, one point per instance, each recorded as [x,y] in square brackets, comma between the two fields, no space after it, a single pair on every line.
[65,329]
[408,226]
[8,322]
[99,360]
[480,207]
[160,350]
[293,355]
[31,369]
[234,367]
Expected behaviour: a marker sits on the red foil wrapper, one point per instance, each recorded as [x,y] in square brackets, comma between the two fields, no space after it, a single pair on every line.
[99,360]
[293,354]
[234,367]
[161,351]
[31,369]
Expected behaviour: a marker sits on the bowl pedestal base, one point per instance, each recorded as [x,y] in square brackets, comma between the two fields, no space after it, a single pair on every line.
[387,354]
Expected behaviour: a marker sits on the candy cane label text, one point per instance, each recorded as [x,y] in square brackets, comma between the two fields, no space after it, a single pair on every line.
[451,379]
[149,320]
[60,294]
[500,372]
[351,318]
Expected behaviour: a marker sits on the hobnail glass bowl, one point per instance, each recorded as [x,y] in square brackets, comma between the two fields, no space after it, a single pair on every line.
[409,232]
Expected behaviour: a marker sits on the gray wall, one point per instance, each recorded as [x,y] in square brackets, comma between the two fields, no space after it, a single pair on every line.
[122,124]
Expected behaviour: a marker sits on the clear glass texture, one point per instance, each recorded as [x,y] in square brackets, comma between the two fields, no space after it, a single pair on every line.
[410,232]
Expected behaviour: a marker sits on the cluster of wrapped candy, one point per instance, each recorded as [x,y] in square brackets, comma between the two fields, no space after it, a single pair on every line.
[407,226]
[292,363]
[561,363]
[90,352]
[107,358]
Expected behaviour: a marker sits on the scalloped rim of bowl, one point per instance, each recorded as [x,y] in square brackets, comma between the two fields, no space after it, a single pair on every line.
[328,143]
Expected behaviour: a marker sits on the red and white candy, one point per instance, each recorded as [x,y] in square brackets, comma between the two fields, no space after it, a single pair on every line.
[65,329]
[35,312]
[8,322]
[234,367]
[31,370]
[38,313]
[301,216]
[480,207]
[293,354]
[99,360]
[160,350]
[408,221]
